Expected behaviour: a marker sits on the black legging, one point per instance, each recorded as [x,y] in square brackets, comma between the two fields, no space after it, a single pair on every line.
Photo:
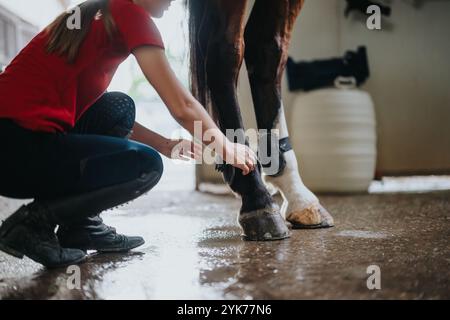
[85,163]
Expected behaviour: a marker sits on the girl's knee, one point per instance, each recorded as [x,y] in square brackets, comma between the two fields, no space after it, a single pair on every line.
[121,111]
[150,162]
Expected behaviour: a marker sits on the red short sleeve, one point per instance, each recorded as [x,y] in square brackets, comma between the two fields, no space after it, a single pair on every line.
[135,25]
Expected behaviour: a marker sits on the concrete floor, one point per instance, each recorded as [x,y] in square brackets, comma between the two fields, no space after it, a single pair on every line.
[194,251]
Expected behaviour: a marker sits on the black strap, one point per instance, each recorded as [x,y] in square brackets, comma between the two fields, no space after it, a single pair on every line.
[285,145]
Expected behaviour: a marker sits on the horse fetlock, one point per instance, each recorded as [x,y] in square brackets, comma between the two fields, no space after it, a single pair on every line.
[291,185]
[227,171]
[250,187]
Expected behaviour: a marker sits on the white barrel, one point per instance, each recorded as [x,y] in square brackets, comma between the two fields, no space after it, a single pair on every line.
[333,132]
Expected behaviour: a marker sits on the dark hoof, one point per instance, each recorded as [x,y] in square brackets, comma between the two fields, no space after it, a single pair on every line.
[327,220]
[264,225]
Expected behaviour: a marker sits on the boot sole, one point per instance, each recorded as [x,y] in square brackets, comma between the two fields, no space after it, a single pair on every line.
[106,250]
[76,262]
[118,250]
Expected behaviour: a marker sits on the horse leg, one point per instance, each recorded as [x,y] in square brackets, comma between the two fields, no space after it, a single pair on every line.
[259,216]
[267,38]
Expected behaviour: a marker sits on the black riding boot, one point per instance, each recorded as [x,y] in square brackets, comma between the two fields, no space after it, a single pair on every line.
[30,231]
[87,231]
[92,234]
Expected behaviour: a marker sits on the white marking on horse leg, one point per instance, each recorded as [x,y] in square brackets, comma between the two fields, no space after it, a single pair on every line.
[297,197]
[300,204]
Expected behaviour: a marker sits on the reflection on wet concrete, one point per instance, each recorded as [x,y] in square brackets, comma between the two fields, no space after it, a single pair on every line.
[194,251]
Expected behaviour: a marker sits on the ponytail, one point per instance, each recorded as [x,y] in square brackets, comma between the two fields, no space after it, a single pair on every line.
[66,42]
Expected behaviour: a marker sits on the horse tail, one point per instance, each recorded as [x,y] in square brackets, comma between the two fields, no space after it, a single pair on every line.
[201,26]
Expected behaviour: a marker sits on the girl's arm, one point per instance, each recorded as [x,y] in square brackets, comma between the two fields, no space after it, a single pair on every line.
[186,109]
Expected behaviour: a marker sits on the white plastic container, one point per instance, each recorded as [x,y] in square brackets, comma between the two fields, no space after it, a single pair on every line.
[333,132]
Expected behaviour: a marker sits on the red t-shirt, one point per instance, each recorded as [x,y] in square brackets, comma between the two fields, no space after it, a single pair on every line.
[42,92]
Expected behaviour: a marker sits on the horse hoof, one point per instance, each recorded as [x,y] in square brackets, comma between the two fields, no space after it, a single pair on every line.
[264,225]
[314,217]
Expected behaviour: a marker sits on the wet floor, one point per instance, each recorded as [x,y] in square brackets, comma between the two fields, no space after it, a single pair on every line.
[193,250]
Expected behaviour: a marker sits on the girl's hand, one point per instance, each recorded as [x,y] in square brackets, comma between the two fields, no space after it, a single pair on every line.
[182,149]
[240,156]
